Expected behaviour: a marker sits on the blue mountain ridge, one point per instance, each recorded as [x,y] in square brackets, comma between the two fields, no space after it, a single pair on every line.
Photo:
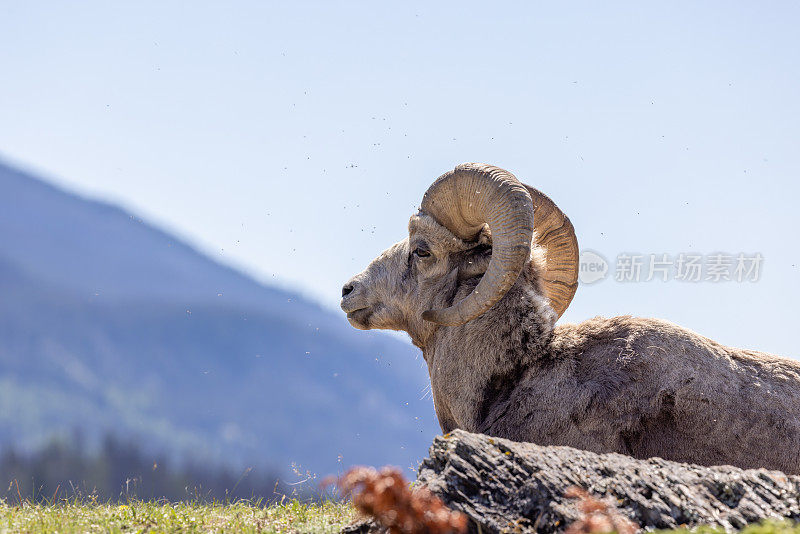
[108,324]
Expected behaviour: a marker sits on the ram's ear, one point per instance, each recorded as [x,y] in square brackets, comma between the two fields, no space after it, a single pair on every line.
[485,237]
[475,262]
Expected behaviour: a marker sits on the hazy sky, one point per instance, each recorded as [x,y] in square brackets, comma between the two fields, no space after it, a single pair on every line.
[295,139]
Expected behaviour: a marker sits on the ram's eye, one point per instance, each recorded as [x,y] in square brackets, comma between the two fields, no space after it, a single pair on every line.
[421,253]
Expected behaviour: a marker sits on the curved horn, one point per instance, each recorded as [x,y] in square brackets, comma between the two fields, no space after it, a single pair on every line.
[465,199]
[556,235]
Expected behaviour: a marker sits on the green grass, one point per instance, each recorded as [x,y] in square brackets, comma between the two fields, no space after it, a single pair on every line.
[79,516]
[767,527]
[138,516]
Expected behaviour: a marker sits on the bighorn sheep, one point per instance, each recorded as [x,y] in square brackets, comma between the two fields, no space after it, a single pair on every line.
[488,267]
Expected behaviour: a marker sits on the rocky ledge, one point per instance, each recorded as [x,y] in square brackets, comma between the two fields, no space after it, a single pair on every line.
[505,486]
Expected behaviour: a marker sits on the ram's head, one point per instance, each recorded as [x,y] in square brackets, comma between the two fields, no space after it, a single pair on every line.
[477,222]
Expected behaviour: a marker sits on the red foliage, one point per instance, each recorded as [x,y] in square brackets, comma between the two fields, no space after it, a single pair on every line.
[598,517]
[385,495]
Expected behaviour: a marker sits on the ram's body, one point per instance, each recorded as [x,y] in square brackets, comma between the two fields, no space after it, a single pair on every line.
[641,387]
[481,301]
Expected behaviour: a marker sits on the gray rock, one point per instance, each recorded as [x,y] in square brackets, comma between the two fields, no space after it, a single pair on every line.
[505,486]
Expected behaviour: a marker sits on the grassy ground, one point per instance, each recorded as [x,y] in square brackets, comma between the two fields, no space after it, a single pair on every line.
[292,517]
[75,517]
[768,527]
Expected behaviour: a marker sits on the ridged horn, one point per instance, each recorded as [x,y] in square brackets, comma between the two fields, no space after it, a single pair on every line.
[463,200]
[555,233]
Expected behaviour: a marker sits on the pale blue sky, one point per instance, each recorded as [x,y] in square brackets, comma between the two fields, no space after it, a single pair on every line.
[294,139]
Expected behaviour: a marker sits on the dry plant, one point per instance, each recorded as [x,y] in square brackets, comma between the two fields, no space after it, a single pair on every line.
[599,517]
[386,496]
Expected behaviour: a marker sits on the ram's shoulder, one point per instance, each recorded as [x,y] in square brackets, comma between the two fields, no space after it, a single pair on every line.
[637,334]
[620,326]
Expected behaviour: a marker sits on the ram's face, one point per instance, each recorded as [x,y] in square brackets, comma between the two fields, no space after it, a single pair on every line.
[414,285]
[419,273]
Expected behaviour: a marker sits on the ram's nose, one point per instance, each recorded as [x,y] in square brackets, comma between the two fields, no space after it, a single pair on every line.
[348,288]
[351,300]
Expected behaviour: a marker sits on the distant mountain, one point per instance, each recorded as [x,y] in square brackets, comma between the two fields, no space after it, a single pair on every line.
[109,324]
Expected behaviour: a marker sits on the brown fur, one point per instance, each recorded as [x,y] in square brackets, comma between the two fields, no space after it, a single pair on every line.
[642,387]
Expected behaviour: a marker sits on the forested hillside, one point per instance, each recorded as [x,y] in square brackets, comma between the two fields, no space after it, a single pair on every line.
[108,324]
